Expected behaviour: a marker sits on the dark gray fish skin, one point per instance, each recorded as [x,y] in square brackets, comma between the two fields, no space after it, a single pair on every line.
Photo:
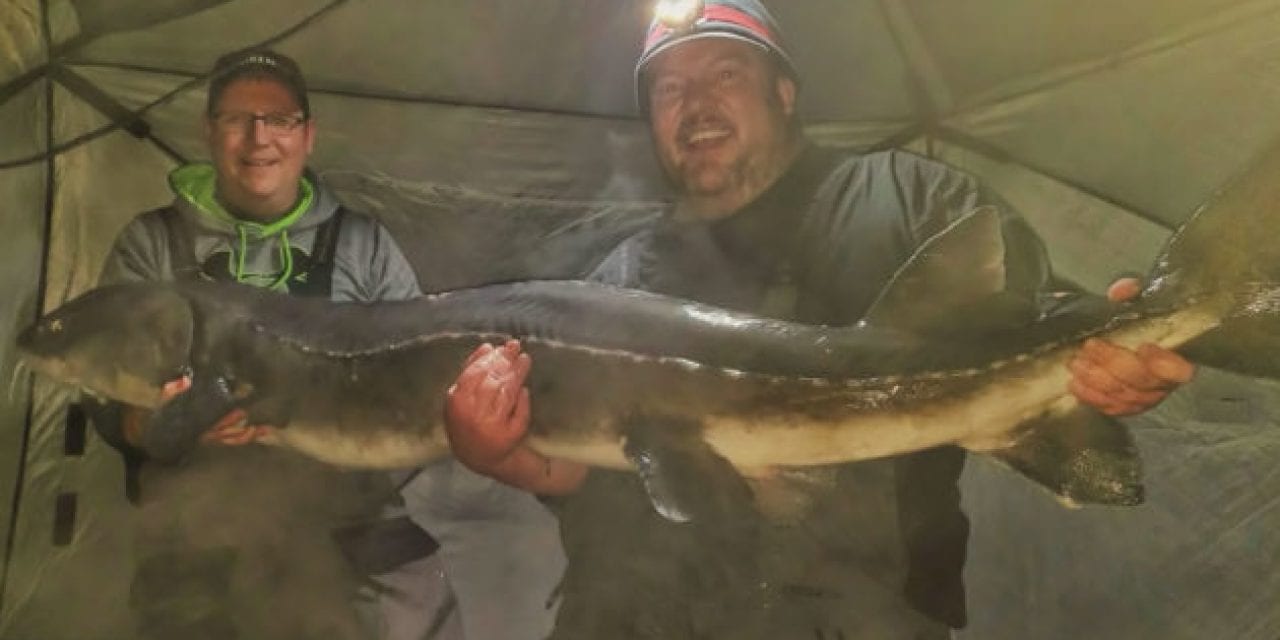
[311,368]
[363,385]
[382,368]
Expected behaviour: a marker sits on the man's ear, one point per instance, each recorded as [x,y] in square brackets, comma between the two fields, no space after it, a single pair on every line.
[309,133]
[786,88]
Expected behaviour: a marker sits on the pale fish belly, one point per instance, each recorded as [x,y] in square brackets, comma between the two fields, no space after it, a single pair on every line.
[989,416]
[375,449]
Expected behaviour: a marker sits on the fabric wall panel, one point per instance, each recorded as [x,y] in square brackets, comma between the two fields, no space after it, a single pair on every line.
[1196,561]
[191,43]
[1090,241]
[101,185]
[1158,133]
[22,120]
[21,243]
[981,45]
[21,38]
[54,584]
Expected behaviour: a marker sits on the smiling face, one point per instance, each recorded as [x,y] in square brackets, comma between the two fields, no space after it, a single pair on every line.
[258,169]
[720,114]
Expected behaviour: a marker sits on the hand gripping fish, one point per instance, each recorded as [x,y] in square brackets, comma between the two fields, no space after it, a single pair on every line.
[627,379]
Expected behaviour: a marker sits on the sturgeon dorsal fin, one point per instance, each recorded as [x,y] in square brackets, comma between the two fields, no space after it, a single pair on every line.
[950,272]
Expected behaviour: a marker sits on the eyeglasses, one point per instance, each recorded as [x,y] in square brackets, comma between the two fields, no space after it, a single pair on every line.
[241,121]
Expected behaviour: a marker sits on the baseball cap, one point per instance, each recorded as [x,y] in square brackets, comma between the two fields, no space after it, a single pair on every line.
[745,20]
[257,63]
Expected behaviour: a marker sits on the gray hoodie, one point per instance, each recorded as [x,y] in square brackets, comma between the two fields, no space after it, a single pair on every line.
[368,265]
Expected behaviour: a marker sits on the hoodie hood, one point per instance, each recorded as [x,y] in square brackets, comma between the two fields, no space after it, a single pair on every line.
[260,254]
[195,186]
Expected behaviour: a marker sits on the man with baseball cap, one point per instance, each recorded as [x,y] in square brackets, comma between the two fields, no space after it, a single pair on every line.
[766,222]
[241,544]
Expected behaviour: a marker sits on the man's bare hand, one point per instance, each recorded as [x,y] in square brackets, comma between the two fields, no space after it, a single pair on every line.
[487,419]
[1119,381]
[230,430]
[487,409]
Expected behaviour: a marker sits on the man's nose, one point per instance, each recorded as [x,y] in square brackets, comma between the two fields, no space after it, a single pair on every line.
[698,104]
[699,94]
[258,132]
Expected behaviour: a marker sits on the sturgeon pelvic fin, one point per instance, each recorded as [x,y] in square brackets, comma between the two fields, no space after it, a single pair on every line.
[1082,456]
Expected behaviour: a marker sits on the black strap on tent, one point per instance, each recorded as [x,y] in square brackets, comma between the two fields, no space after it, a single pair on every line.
[76,424]
[64,505]
[64,519]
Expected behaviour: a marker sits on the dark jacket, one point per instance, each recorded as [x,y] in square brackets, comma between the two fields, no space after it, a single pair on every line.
[818,247]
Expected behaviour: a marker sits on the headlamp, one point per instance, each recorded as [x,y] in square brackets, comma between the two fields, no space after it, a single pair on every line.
[678,15]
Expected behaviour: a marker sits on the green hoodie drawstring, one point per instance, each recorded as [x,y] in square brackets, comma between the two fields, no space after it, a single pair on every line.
[197,183]
[236,266]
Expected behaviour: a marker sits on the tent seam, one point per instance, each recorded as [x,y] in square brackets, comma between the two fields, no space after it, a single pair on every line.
[15,508]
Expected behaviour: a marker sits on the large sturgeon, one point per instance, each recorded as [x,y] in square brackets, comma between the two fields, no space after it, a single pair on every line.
[624,378]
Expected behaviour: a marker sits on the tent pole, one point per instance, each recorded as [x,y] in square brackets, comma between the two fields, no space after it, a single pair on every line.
[117,113]
[15,502]
[899,139]
[98,99]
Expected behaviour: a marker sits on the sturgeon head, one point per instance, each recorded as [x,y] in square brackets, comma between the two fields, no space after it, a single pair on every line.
[121,342]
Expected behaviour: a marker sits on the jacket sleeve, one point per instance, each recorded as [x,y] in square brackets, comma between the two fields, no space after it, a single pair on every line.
[369,265]
[138,255]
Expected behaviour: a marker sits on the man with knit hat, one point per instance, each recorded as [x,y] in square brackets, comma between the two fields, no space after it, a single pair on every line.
[766,222]
[240,543]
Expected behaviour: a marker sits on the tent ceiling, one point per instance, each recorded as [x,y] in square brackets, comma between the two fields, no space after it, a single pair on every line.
[1148,104]
[980,45]
[502,134]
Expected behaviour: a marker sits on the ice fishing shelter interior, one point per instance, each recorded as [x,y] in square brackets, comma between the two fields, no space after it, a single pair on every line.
[499,140]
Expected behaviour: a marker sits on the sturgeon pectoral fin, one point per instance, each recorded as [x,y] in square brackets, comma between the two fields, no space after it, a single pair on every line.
[685,478]
[175,428]
[1082,456]
[687,481]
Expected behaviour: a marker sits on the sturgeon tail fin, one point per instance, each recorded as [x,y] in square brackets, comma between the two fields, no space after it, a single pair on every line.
[1230,241]
[1228,251]
[1244,344]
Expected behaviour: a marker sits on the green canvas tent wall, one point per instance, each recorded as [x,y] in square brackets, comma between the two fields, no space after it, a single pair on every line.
[499,140]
